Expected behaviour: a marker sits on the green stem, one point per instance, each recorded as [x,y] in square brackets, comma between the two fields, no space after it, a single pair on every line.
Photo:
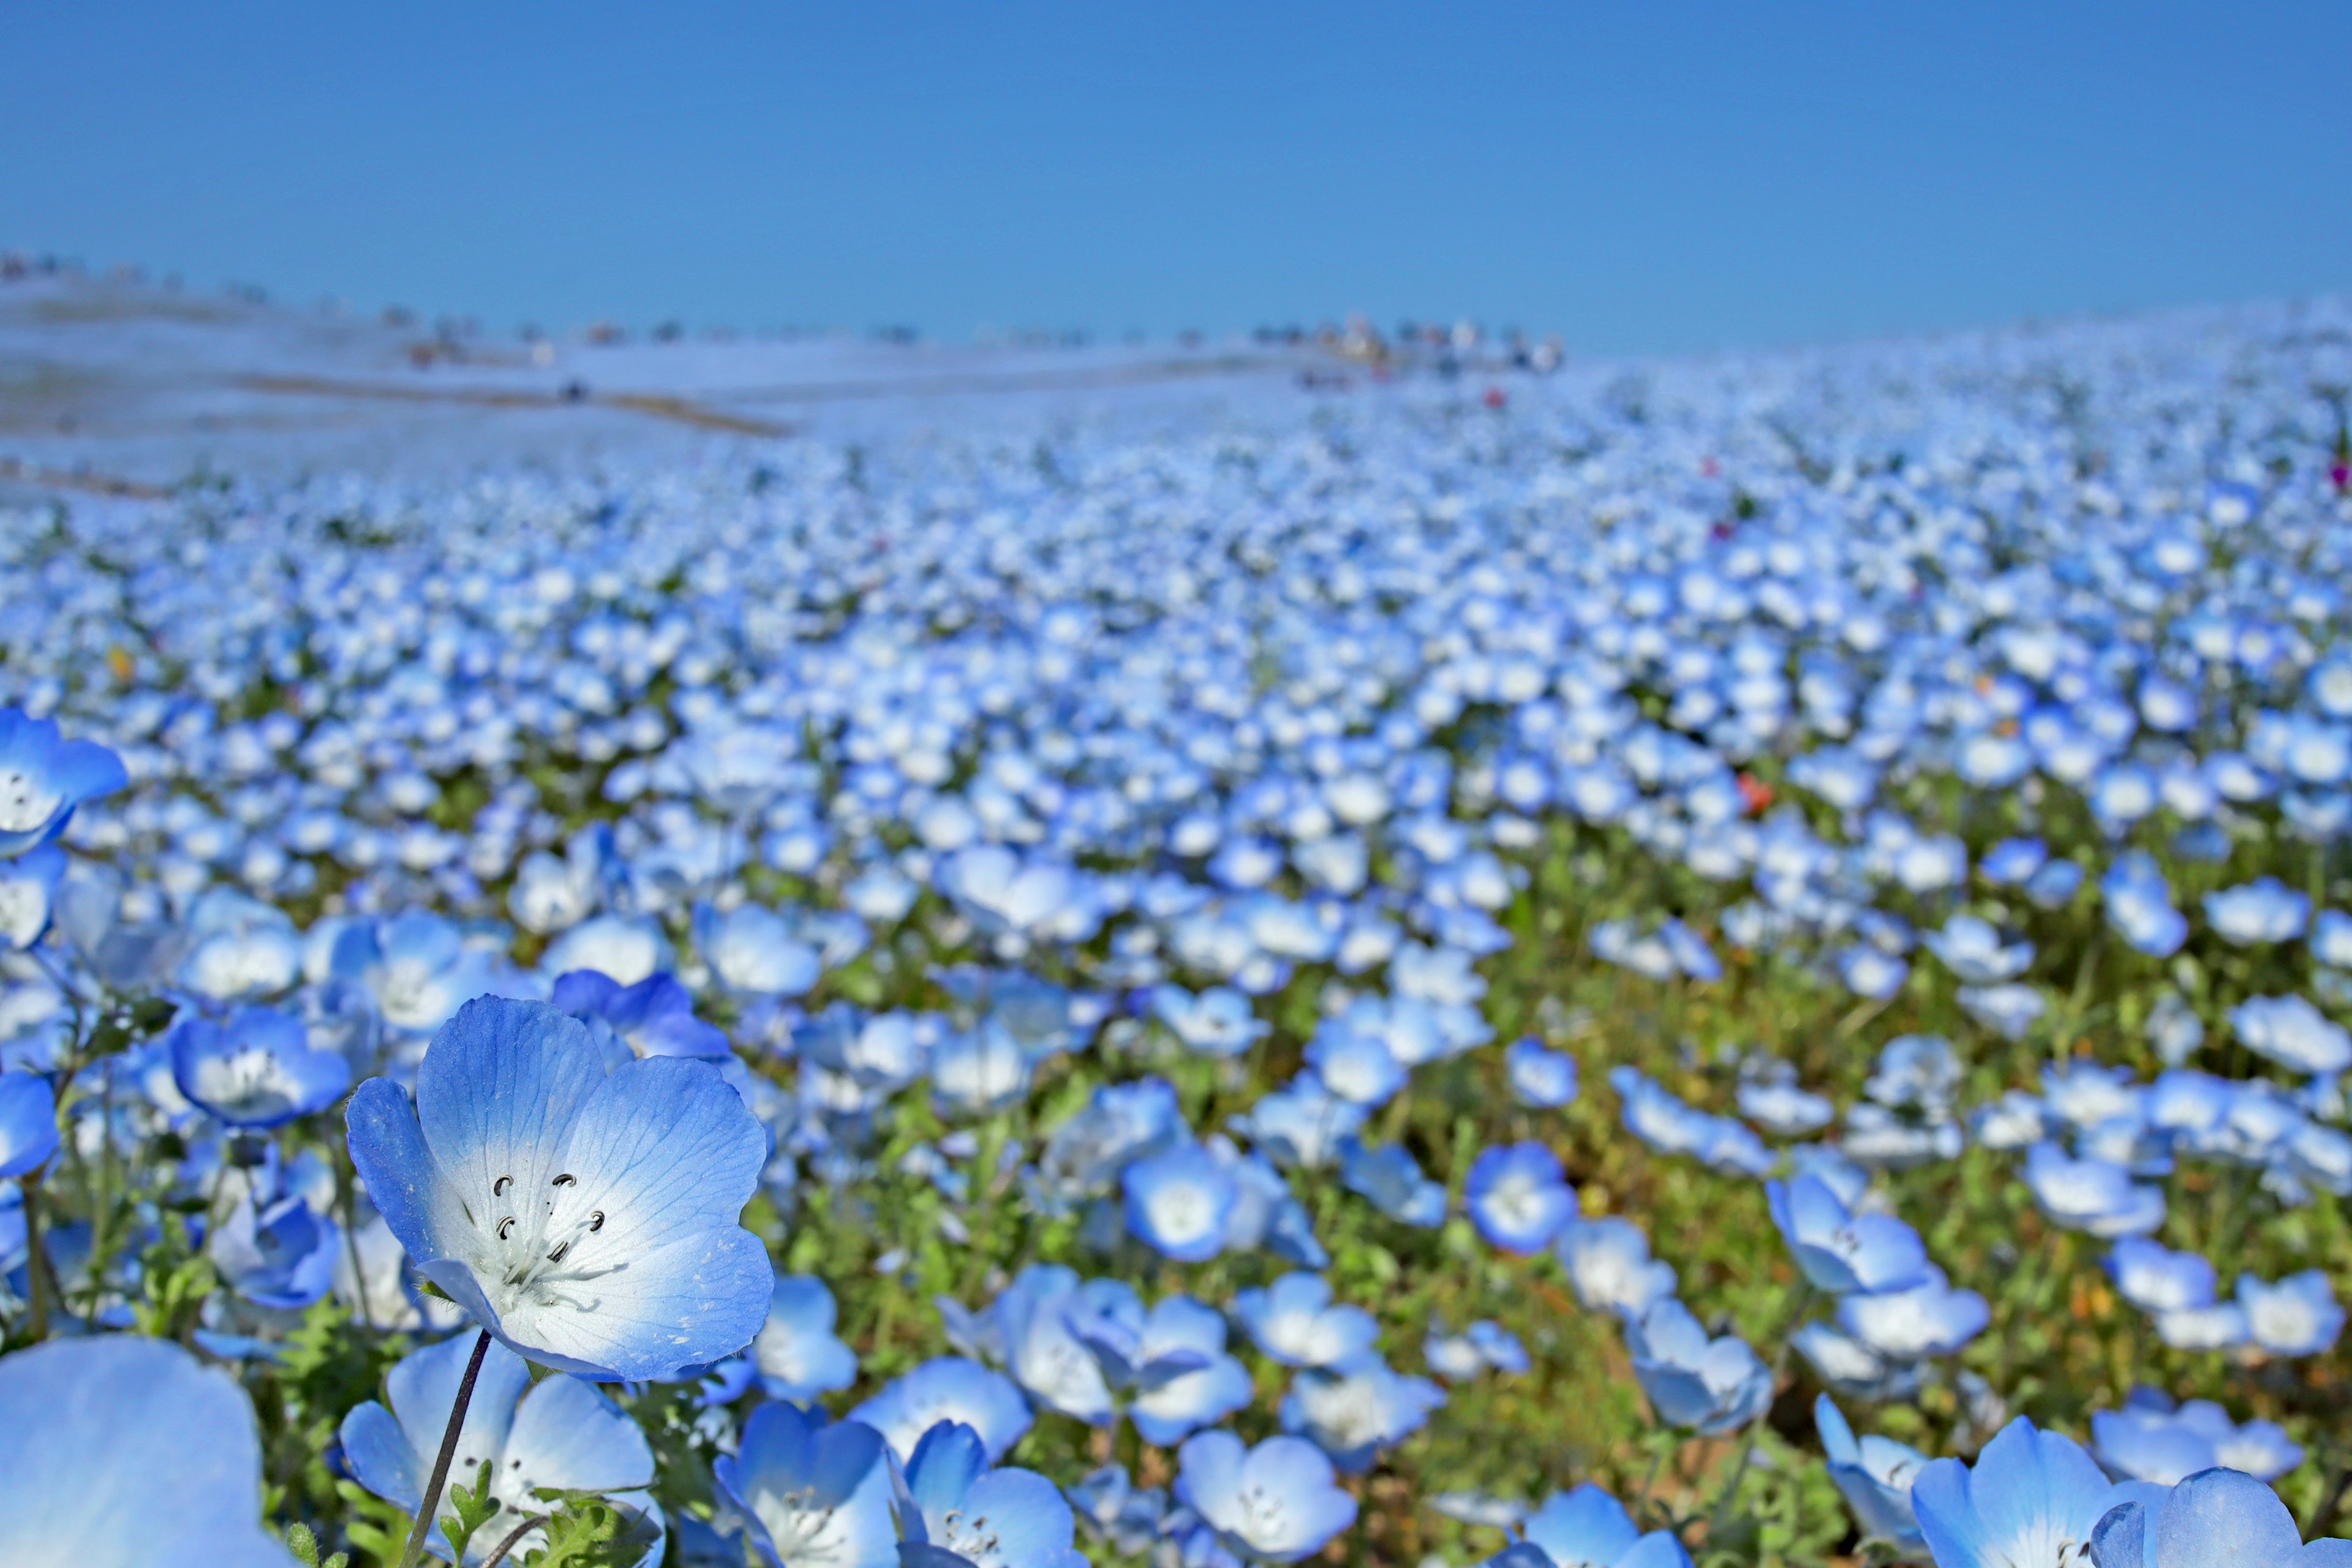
[415,1551]
[37,1265]
[499,1554]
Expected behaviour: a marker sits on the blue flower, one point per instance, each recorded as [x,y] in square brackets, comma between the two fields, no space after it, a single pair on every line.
[1180,1202]
[2155,1279]
[753,950]
[814,1493]
[1587,1528]
[1187,1380]
[1709,1386]
[1294,1321]
[256,1069]
[1392,1180]
[118,1452]
[1927,1319]
[948,1388]
[1357,1067]
[2092,1195]
[1218,1022]
[28,1122]
[1543,1079]
[1609,1264]
[588,1220]
[282,1254]
[2296,1316]
[1358,1408]
[42,778]
[1278,1502]
[2293,1033]
[1517,1197]
[2151,1439]
[966,1515]
[558,1432]
[2218,1519]
[654,1017]
[2139,905]
[795,1351]
[2263,911]
[1875,1475]
[2031,1501]
[1034,1321]
[1840,1250]
[28,891]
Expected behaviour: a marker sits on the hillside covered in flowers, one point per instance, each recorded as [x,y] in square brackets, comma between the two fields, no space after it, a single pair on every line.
[1442,961]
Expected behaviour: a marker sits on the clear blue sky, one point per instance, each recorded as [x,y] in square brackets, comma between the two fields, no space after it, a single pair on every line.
[1637,176]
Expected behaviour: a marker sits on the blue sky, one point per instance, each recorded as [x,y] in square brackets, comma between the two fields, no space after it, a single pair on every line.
[1641,178]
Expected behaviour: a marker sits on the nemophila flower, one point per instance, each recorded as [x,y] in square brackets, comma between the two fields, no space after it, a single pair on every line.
[43,777]
[1609,1265]
[259,1069]
[28,887]
[1875,1476]
[2264,910]
[2296,1316]
[1294,1321]
[1710,1385]
[2008,1011]
[654,1017]
[237,947]
[1305,1123]
[795,1352]
[1851,1368]
[1484,1345]
[2139,905]
[2151,1439]
[416,966]
[811,1490]
[2293,1033]
[1840,1250]
[587,1219]
[1119,1123]
[1973,949]
[1217,1022]
[753,950]
[1185,1378]
[2092,1195]
[1872,973]
[1518,1198]
[2218,1519]
[2011,861]
[1180,1202]
[1112,1508]
[28,1122]
[1539,1077]
[2030,1501]
[1927,1319]
[2155,1279]
[624,948]
[1392,1180]
[1358,1068]
[558,1432]
[275,1252]
[118,1452]
[948,1388]
[1278,1502]
[965,1515]
[1587,1528]
[1035,1321]
[1354,1409]
[1783,1107]
[979,1070]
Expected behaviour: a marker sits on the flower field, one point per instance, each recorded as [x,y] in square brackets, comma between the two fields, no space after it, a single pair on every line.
[1736,960]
